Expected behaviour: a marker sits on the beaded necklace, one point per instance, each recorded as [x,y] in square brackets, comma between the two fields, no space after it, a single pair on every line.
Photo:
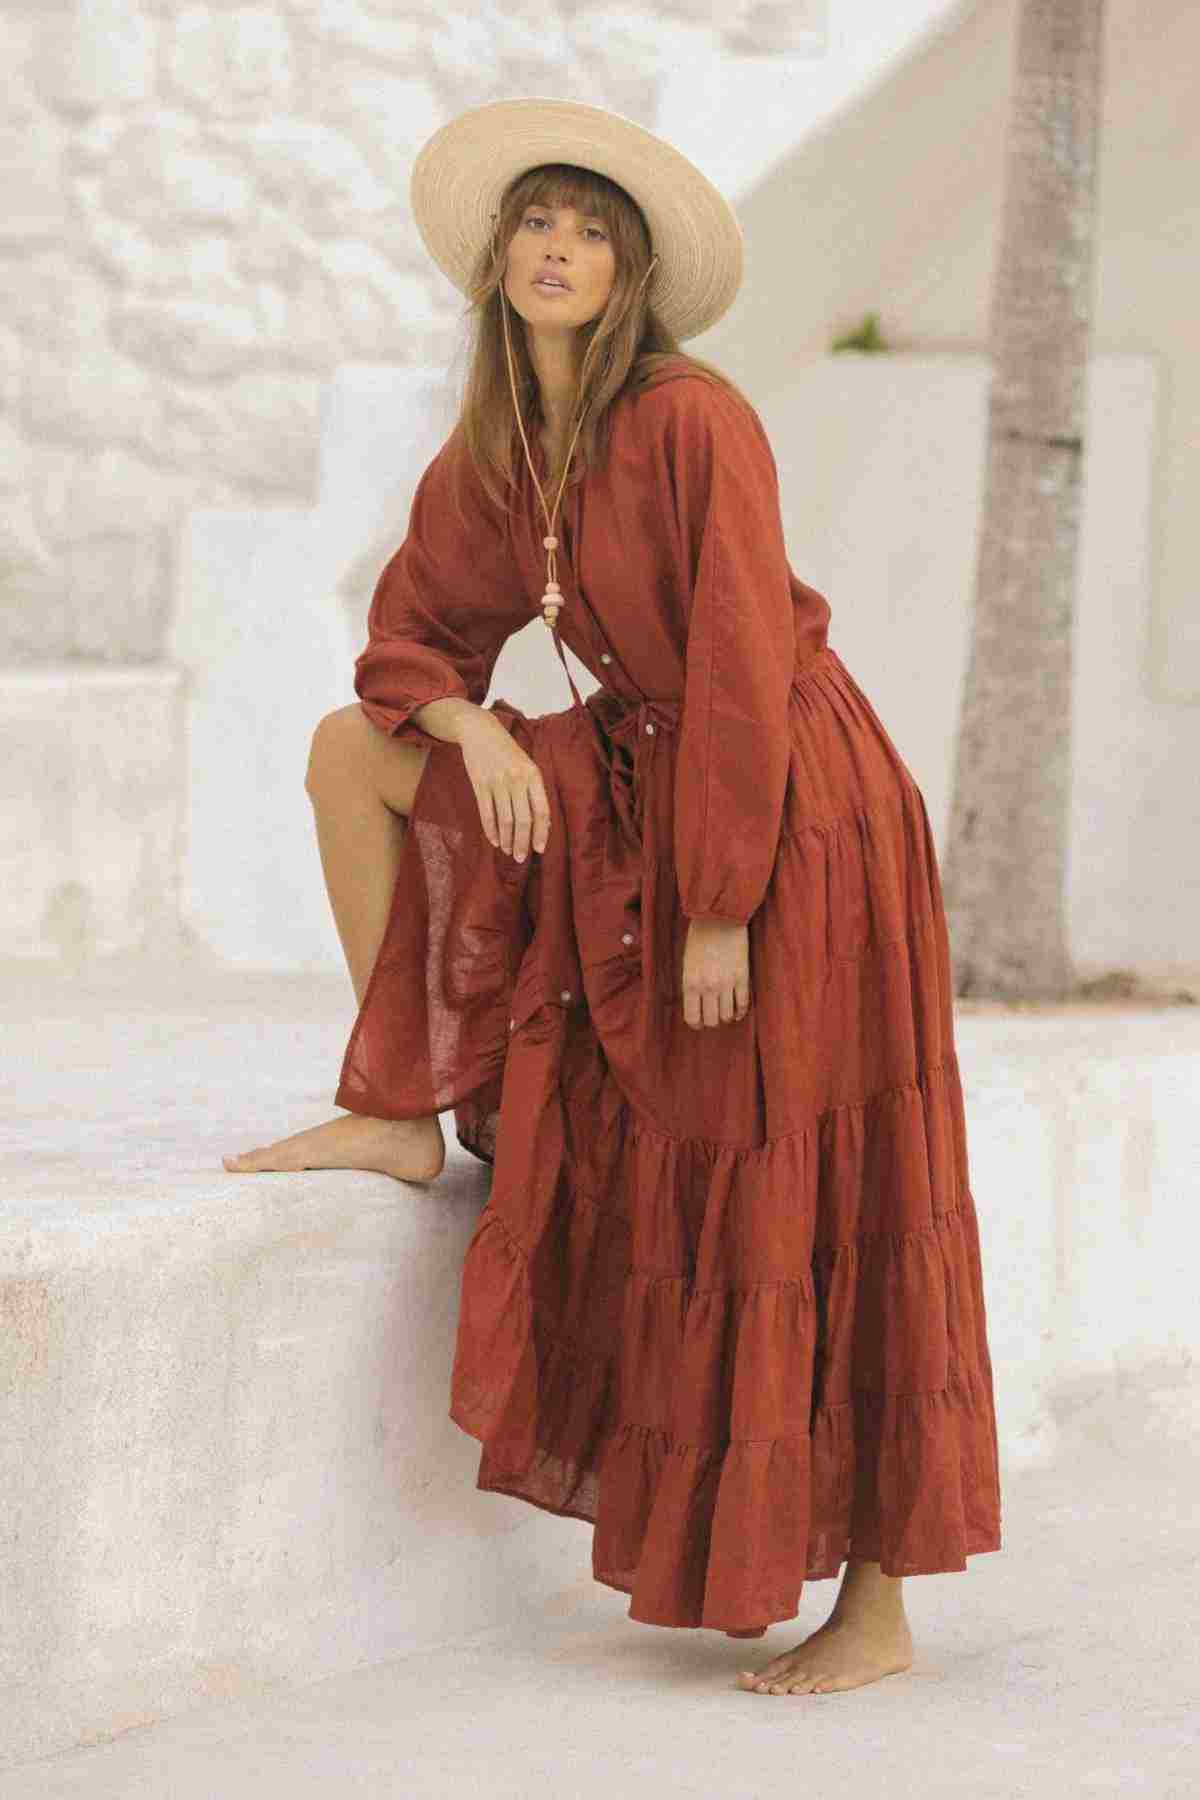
[551,601]
[552,598]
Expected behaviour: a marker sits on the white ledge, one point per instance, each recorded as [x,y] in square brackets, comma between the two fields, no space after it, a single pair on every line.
[227,1455]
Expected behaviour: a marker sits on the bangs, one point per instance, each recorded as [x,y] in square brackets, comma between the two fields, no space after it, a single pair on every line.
[581,189]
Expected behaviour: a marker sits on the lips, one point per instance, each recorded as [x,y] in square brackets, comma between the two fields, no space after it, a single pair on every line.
[555,283]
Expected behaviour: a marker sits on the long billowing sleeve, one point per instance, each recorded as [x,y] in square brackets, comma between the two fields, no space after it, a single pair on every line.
[444,604]
[734,743]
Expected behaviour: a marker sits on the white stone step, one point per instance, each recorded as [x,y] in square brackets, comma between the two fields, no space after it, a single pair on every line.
[1015,1665]
[225,1454]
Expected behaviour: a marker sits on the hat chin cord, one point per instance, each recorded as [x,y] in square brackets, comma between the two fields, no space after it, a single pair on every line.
[551,601]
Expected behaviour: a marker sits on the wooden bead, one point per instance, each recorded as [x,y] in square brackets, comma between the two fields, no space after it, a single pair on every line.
[551,543]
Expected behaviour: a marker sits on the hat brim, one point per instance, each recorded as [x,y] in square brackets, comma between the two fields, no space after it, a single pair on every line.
[461,172]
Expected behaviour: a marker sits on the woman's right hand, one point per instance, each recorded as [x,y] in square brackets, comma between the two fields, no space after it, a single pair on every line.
[508,785]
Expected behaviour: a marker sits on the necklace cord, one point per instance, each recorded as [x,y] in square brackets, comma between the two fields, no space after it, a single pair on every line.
[552,598]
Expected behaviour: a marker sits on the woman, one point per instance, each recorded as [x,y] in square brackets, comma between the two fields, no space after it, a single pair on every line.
[676,956]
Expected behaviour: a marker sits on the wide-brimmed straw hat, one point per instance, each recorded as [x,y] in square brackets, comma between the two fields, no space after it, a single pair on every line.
[461,173]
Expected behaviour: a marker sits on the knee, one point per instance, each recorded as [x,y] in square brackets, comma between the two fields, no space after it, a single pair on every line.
[331,753]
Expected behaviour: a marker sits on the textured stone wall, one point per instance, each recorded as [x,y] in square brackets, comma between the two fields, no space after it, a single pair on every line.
[206,211]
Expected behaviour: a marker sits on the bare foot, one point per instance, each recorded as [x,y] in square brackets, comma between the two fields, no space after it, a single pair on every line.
[409,1149]
[842,1653]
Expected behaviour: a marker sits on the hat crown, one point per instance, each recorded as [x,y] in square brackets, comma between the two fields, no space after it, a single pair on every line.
[461,173]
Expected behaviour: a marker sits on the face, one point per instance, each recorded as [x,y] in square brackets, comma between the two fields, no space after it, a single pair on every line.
[556,240]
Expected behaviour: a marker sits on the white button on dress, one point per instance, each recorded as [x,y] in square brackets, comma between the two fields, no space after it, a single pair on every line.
[627,937]
[566,994]
[604,656]
[650,730]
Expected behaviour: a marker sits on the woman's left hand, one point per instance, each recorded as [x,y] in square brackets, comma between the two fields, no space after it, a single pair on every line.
[716,972]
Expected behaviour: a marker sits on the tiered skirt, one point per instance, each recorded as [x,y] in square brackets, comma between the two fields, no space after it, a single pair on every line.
[725,1300]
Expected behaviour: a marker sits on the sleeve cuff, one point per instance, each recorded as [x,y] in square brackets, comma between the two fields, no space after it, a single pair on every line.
[398,722]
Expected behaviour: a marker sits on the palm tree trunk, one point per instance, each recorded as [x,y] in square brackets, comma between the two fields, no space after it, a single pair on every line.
[1006,855]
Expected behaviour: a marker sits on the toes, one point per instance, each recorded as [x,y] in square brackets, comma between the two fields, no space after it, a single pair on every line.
[783,1676]
[773,1684]
[762,1679]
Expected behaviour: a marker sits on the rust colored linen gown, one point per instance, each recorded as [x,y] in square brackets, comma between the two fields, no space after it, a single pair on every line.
[724,1300]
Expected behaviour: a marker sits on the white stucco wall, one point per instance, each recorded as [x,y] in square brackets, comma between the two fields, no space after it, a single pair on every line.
[206,214]
[207,223]
[894,206]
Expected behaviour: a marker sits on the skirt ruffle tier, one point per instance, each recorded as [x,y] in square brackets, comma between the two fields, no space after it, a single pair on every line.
[725,1299]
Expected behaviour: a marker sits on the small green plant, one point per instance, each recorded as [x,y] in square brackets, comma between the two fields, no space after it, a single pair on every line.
[866,337]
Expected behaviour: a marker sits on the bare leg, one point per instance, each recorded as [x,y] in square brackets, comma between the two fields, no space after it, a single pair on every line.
[361,784]
[866,1636]
[359,835]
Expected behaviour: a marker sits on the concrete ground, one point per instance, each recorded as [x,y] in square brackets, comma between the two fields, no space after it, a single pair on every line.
[1067,1663]
[1064,1664]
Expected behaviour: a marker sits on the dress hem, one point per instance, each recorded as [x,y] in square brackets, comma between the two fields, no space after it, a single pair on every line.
[977,1544]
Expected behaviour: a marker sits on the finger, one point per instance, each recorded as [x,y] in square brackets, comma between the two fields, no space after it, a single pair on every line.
[741,996]
[712,1008]
[726,1005]
[504,818]
[541,813]
[487,815]
[691,1006]
[522,824]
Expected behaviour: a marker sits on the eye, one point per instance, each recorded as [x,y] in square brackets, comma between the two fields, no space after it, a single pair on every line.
[539,219]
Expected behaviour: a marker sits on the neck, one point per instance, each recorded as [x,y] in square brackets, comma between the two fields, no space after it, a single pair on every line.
[555,363]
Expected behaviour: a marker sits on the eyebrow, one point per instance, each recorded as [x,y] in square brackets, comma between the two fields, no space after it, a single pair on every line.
[545,206]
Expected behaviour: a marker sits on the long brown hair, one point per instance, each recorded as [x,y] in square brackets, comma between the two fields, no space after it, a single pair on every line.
[630,347]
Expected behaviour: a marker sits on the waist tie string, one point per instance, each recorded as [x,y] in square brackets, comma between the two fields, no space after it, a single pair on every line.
[635,726]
